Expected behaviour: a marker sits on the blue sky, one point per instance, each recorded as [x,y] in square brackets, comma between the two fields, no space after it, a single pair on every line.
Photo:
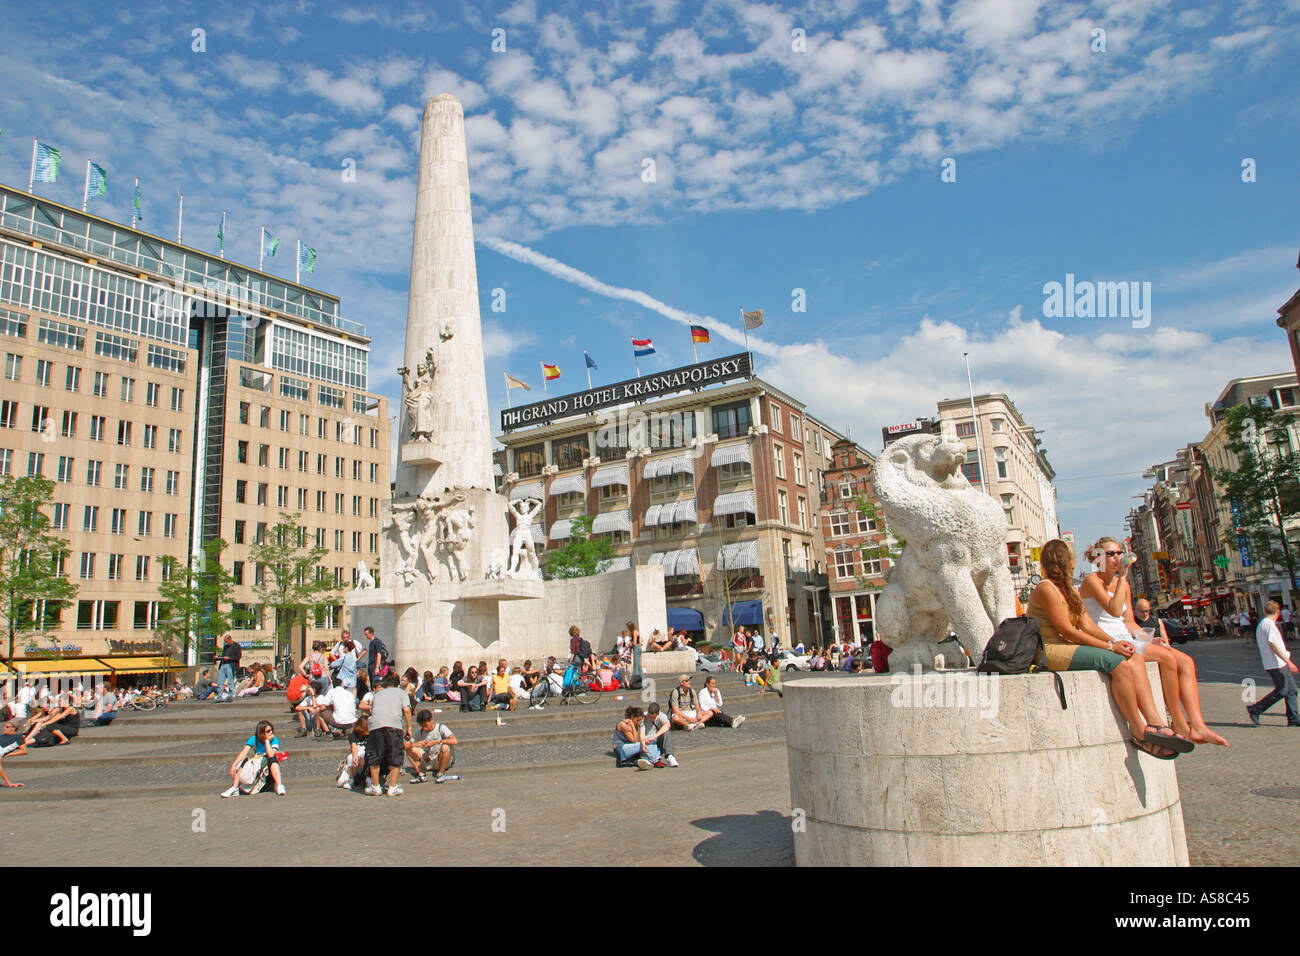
[782,162]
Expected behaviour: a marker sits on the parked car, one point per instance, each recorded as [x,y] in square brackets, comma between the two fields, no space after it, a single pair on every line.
[1179,632]
[713,663]
[790,661]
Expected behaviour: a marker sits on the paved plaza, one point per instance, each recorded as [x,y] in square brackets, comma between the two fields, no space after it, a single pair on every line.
[538,789]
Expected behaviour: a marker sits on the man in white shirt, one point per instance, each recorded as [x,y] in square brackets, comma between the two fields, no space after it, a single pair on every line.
[1288,629]
[711,700]
[1243,622]
[337,710]
[1278,665]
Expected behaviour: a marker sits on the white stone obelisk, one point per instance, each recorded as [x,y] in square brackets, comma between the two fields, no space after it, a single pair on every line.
[443,315]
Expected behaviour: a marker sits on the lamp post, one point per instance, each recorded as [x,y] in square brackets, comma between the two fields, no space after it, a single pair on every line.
[815,590]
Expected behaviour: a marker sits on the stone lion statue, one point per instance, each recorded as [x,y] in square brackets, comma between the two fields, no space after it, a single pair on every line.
[953,569]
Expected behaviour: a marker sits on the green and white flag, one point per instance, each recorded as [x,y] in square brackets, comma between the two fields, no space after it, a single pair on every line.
[96,180]
[46,161]
[221,234]
[307,258]
[137,207]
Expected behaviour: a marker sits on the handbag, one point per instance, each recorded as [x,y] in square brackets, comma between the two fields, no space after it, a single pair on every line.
[251,774]
[453,696]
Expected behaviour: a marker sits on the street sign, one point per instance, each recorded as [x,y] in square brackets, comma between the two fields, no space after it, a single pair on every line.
[1160,555]
[1184,506]
[1221,560]
[1035,554]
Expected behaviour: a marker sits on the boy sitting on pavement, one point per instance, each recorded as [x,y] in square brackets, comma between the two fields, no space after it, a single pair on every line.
[432,748]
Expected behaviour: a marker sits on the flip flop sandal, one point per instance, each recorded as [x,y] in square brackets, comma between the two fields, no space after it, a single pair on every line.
[1171,740]
[1155,750]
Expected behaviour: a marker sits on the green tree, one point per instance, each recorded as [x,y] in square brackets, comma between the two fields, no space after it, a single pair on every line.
[580,556]
[1264,489]
[31,559]
[293,582]
[196,598]
[882,549]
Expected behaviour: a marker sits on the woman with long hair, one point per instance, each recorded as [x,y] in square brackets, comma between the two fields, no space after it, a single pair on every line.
[263,746]
[1108,598]
[1073,642]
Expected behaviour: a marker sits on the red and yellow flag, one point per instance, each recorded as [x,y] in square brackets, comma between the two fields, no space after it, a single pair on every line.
[699,333]
[551,372]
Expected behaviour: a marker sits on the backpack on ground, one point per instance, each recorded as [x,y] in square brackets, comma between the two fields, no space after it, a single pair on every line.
[1016,647]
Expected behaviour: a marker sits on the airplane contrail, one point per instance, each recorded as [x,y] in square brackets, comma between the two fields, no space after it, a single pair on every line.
[569,274]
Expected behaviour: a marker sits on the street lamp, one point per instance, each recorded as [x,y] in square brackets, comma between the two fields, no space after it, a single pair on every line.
[817,608]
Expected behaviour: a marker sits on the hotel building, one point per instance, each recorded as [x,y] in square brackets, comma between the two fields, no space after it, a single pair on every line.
[175,397]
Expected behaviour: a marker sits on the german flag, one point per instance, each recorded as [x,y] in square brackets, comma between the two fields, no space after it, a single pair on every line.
[699,334]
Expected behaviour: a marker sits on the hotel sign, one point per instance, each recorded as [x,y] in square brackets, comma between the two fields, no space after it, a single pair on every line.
[632,390]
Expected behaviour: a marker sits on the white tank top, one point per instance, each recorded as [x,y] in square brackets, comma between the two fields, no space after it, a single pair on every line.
[1112,625]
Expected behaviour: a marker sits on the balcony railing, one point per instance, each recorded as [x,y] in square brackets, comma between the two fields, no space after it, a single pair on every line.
[752,583]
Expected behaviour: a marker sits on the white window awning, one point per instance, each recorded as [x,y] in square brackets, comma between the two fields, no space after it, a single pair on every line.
[731,454]
[686,561]
[663,467]
[529,489]
[659,557]
[734,503]
[539,535]
[496,470]
[614,564]
[652,514]
[609,475]
[569,484]
[612,521]
[676,511]
[742,554]
[561,529]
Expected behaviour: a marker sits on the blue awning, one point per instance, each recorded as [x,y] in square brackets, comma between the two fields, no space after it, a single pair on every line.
[745,614]
[685,618]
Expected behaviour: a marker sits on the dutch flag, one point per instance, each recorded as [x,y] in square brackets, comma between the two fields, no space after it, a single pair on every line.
[642,347]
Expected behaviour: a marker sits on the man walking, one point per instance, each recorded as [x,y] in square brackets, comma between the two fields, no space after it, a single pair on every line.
[376,657]
[1279,666]
[228,661]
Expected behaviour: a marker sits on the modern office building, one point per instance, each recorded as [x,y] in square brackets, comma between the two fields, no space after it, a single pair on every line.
[176,397]
[712,474]
[1006,460]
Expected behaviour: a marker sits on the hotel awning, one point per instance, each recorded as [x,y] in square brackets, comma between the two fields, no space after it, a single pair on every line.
[560,529]
[539,534]
[734,503]
[569,484]
[662,467]
[744,614]
[685,619]
[671,512]
[614,564]
[612,521]
[609,475]
[742,554]
[531,489]
[731,454]
[652,514]
[142,665]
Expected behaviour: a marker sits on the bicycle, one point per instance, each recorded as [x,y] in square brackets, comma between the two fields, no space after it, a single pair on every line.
[572,689]
[284,670]
[148,701]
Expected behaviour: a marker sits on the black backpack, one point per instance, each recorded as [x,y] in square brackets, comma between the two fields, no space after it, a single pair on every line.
[1016,647]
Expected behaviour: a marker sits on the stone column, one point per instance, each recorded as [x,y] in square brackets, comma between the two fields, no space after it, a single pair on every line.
[443,315]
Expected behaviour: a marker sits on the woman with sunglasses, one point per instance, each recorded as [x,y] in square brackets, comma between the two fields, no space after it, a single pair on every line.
[1108,598]
[264,747]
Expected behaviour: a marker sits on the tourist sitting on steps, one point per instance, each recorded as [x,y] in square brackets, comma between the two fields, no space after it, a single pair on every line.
[352,768]
[1073,642]
[432,749]
[658,730]
[1108,598]
[684,705]
[711,702]
[263,750]
[630,742]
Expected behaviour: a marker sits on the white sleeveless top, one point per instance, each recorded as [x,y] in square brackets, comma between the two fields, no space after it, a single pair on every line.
[1112,625]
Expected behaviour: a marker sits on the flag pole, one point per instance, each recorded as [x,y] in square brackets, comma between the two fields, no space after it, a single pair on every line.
[745,325]
[545,387]
[261,248]
[135,210]
[85,193]
[297,264]
[221,236]
[509,404]
[180,213]
[636,362]
[31,180]
[694,350]
[584,362]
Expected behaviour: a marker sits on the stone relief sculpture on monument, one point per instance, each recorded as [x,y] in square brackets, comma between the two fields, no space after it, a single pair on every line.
[953,569]
[365,579]
[455,530]
[417,397]
[521,539]
[398,529]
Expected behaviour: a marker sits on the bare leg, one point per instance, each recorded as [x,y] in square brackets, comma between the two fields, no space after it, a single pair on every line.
[275,773]
[1123,688]
[444,758]
[1164,657]
[1190,694]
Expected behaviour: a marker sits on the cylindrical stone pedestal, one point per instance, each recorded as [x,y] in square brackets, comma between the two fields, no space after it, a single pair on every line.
[954,769]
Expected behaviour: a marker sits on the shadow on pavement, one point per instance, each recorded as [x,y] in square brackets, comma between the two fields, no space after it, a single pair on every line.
[755,839]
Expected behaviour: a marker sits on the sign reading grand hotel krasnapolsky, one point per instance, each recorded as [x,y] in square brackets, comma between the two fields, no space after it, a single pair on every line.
[635,389]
